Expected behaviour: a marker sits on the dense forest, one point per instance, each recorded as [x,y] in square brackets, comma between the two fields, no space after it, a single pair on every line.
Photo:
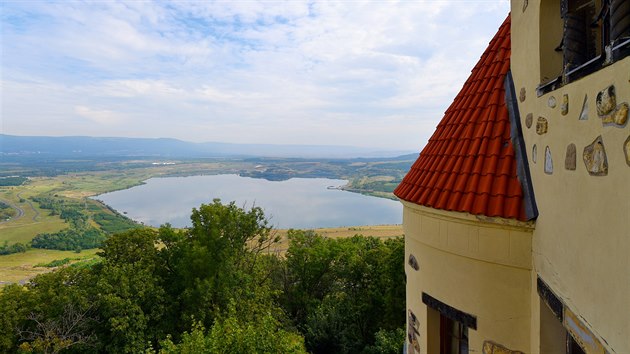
[220,286]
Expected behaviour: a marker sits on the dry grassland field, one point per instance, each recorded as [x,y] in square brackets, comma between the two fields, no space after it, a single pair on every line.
[31,219]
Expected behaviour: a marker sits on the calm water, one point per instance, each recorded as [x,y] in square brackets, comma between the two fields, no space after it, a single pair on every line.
[295,203]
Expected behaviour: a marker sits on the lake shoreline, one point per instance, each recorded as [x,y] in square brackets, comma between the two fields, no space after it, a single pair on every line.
[303,203]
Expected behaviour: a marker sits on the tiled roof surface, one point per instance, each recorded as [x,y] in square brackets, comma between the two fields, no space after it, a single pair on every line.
[468,165]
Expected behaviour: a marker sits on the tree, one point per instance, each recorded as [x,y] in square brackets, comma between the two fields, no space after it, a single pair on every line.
[53,335]
[341,292]
[131,291]
[217,261]
[231,334]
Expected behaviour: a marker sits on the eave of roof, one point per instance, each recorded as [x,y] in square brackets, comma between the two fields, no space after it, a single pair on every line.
[469,163]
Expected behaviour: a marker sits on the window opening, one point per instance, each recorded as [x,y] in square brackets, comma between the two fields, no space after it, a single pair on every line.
[453,336]
[595,33]
[582,31]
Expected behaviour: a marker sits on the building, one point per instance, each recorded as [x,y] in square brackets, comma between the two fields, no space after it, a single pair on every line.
[517,211]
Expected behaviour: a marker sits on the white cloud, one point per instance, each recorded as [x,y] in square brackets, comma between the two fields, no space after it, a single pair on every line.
[324,72]
[103,117]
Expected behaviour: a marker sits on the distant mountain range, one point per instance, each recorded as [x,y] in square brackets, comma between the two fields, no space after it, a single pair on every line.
[84,146]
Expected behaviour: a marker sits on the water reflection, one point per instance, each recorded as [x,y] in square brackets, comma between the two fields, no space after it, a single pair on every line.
[295,203]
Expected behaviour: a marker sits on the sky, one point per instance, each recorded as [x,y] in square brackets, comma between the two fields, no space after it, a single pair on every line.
[358,73]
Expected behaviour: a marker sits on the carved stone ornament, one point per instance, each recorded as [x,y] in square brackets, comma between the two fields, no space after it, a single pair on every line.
[551,102]
[595,158]
[529,119]
[626,150]
[548,161]
[564,107]
[490,347]
[584,113]
[541,126]
[570,158]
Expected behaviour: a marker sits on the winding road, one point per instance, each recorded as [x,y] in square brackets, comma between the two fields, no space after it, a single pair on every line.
[20,211]
[35,212]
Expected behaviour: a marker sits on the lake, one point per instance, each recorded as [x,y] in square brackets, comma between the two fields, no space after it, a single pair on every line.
[300,203]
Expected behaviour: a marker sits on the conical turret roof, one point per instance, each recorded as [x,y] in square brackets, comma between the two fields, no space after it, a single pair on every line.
[469,163]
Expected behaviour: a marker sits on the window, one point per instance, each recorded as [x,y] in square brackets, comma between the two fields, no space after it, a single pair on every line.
[594,33]
[561,331]
[453,336]
[447,327]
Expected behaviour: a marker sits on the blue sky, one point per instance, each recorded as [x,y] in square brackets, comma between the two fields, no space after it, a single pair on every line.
[363,73]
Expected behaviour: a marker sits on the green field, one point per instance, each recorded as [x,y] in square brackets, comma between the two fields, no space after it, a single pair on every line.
[20,267]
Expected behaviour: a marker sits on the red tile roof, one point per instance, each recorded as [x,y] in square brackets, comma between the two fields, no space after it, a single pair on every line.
[469,165]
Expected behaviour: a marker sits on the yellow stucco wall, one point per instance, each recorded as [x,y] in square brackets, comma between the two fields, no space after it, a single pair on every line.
[481,266]
[581,244]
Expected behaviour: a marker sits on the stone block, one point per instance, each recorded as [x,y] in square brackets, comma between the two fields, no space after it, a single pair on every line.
[595,158]
[529,119]
[626,150]
[606,101]
[490,347]
[541,126]
[413,262]
[534,153]
[564,107]
[570,158]
[584,112]
[608,110]
[548,161]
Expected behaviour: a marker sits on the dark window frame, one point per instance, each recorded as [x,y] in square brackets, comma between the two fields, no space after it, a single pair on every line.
[610,49]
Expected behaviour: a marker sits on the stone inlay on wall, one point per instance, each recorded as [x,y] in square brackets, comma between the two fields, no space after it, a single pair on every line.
[413,262]
[595,158]
[529,119]
[551,102]
[626,150]
[548,161]
[541,126]
[413,333]
[608,110]
[534,153]
[564,107]
[490,347]
[522,95]
[606,101]
[570,158]
[584,113]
